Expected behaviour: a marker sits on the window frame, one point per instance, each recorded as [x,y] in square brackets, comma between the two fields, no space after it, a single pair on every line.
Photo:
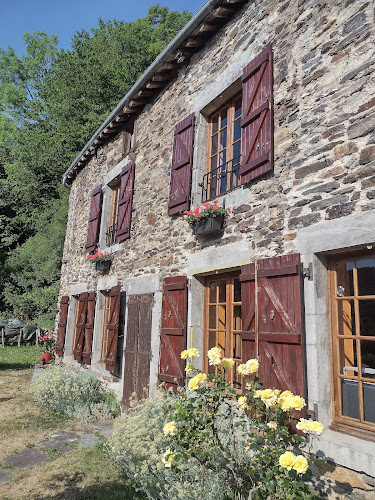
[230,106]
[340,422]
[115,187]
[106,313]
[229,330]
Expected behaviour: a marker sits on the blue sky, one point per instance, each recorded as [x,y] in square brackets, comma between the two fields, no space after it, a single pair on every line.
[64,18]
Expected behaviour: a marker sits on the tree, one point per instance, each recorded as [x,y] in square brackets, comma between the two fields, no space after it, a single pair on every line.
[51,102]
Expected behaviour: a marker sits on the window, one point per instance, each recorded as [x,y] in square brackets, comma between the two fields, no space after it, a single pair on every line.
[223,321]
[352,299]
[111,233]
[224,151]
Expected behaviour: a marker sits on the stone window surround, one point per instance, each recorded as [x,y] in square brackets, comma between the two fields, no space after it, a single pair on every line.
[315,244]
[224,87]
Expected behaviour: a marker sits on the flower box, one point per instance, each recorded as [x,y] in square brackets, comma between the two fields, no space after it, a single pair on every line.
[103,265]
[208,225]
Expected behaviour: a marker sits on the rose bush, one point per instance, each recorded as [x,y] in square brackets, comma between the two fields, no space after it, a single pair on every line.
[249,439]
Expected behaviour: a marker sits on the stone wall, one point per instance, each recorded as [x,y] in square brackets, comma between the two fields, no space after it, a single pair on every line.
[324,117]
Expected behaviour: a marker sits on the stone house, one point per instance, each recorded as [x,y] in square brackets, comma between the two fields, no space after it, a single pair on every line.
[267,107]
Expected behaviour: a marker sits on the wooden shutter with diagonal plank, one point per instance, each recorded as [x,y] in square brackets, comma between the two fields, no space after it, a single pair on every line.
[125,202]
[80,326]
[113,327]
[89,327]
[61,327]
[257,117]
[173,331]
[280,339]
[179,194]
[94,219]
[138,347]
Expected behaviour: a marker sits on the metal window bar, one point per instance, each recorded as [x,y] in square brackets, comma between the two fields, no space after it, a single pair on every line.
[221,180]
[111,235]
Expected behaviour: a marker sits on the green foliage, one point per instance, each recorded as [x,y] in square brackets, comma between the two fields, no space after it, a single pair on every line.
[249,441]
[138,445]
[51,102]
[74,394]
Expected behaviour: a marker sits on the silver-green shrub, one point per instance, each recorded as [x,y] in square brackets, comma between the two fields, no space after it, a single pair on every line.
[138,446]
[71,393]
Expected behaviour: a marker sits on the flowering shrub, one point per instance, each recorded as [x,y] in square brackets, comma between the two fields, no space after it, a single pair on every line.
[48,342]
[75,394]
[98,256]
[205,210]
[249,438]
[138,445]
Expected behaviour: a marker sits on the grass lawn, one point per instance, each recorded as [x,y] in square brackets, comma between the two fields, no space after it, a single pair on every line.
[82,474]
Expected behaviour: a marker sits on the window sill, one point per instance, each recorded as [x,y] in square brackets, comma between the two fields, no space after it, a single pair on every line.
[356,432]
[116,247]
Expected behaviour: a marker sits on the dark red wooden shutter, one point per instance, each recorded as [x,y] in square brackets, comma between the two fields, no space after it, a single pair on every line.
[280,339]
[173,331]
[113,326]
[182,160]
[80,326]
[94,219]
[257,117]
[61,326]
[138,347]
[125,202]
[89,327]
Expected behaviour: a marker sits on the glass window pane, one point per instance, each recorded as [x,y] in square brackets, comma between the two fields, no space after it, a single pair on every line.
[222,291]
[223,139]
[215,124]
[346,323]
[214,144]
[367,317]
[223,157]
[237,322]
[237,290]
[222,316]
[345,279]
[212,317]
[237,108]
[369,401]
[348,357]
[366,276]
[368,358]
[236,150]
[237,130]
[221,341]
[224,119]
[213,292]
[213,162]
[350,398]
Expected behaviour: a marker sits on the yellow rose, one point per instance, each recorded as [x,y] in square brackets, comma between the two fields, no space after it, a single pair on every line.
[304,425]
[242,369]
[287,459]
[197,381]
[317,427]
[300,464]
[168,458]
[227,363]
[190,368]
[252,366]
[214,356]
[242,399]
[170,429]
[190,353]
[297,402]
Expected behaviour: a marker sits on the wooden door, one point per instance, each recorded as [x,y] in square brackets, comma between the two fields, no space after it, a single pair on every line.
[138,347]
[173,332]
[273,326]
[79,330]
